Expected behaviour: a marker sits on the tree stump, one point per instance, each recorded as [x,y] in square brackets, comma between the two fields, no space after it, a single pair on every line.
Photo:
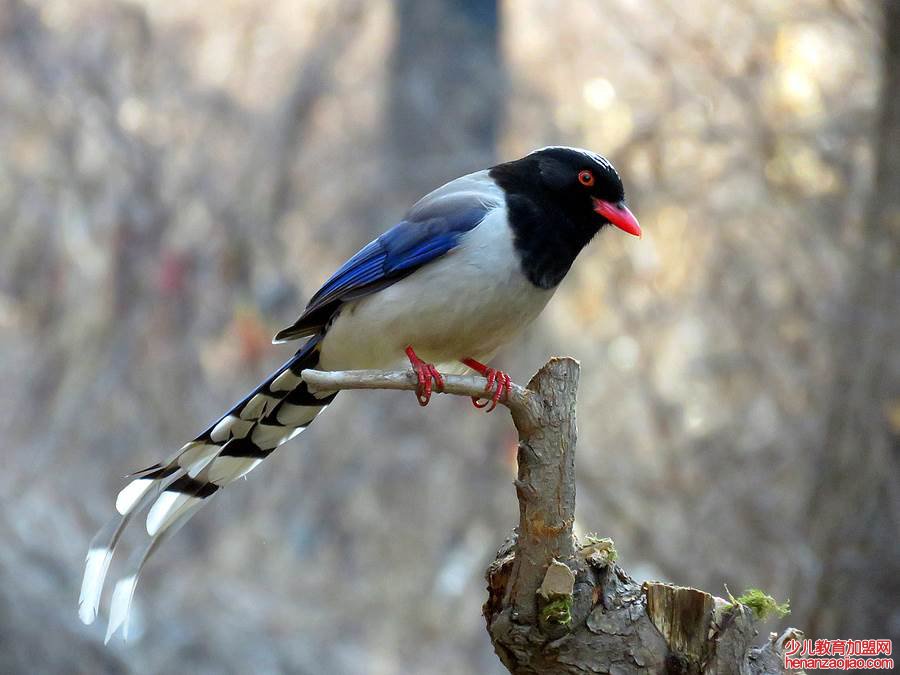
[557,606]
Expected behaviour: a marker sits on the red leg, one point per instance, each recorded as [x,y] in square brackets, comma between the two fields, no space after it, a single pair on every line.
[426,373]
[496,380]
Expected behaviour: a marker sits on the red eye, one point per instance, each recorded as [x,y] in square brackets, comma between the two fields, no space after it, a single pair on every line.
[586,178]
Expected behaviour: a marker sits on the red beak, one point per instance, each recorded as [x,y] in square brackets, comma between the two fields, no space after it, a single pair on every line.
[618,215]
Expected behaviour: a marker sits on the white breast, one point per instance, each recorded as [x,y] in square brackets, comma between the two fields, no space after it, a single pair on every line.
[466,304]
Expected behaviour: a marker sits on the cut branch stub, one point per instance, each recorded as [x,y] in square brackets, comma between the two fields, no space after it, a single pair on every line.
[545,484]
[557,607]
[683,616]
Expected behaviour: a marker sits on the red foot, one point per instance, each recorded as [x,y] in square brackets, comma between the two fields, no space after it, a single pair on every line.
[426,372]
[494,378]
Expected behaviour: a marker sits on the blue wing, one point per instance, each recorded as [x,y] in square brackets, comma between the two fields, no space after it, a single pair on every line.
[432,228]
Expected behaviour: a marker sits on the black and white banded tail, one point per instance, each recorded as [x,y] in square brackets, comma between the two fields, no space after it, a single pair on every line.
[172,491]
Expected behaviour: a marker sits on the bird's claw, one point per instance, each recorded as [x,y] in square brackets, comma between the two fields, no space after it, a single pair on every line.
[499,382]
[428,376]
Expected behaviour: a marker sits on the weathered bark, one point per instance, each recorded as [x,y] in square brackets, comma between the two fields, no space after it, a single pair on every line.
[559,606]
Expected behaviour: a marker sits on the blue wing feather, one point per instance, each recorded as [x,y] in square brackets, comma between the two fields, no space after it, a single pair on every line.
[425,235]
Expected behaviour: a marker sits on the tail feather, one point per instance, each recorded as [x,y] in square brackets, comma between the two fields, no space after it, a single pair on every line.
[173,490]
[123,593]
[100,552]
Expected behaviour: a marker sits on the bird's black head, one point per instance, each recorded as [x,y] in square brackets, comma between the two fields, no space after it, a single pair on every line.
[558,199]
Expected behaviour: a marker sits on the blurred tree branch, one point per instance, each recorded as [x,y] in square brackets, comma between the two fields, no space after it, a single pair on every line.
[445,64]
[313,80]
[857,444]
[557,605]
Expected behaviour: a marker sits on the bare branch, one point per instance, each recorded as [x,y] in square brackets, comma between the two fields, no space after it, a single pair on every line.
[521,402]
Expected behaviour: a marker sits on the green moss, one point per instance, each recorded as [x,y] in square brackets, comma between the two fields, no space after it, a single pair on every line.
[762,605]
[599,550]
[558,611]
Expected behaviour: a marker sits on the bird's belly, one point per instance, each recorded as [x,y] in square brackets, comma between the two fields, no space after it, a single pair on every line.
[452,309]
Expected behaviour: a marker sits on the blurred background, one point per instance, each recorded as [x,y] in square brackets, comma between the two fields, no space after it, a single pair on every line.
[177,178]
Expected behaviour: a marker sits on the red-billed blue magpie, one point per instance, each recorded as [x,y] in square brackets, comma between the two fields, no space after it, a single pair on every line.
[470,265]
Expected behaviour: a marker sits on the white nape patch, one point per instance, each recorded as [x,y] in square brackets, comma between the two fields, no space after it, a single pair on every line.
[224,470]
[478,185]
[287,381]
[95,569]
[166,509]
[291,415]
[130,494]
[120,607]
[593,156]
[258,406]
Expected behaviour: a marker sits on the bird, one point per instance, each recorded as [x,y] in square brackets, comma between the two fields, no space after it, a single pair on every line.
[468,267]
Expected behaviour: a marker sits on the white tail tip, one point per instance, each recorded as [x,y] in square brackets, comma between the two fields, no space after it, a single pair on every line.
[130,494]
[95,568]
[120,607]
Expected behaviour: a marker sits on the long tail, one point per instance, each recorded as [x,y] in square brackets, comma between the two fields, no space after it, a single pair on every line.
[172,491]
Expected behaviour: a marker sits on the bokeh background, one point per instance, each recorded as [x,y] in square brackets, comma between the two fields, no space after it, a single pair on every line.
[176,179]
